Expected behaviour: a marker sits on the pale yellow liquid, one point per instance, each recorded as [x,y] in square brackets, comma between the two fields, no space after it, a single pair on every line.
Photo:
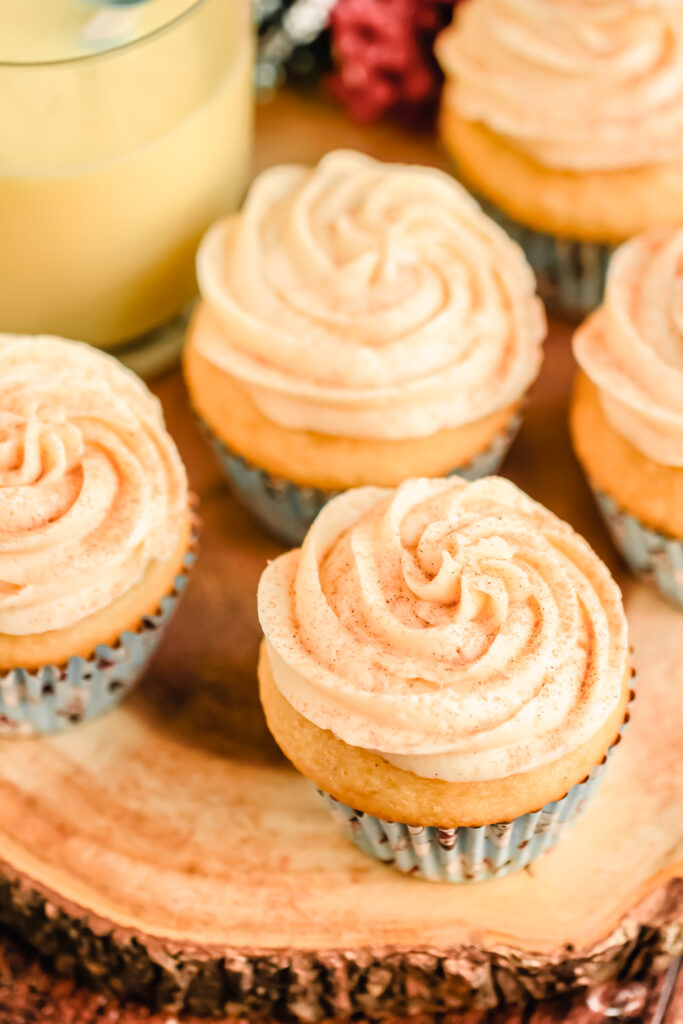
[114,164]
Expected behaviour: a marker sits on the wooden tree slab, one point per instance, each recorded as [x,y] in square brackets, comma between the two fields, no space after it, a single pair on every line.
[168,852]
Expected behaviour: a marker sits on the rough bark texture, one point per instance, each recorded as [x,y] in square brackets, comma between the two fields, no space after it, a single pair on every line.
[30,993]
[310,986]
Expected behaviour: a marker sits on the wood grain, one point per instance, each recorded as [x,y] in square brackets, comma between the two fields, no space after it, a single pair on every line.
[169,853]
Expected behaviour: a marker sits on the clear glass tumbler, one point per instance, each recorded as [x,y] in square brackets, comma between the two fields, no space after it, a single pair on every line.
[124,132]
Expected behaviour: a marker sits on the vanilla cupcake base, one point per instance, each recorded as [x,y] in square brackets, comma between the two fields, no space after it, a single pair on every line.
[605,207]
[52,698]
[640,501]
[363,779]
[497,835]
[286,510]
[567,223]
[285,476]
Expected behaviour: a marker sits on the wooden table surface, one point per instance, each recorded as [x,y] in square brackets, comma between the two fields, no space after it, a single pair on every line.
[30,992]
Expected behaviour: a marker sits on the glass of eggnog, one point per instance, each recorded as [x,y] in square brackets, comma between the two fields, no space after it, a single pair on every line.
[125,130]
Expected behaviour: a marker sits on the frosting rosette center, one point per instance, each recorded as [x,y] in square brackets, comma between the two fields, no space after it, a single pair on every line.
[368,300]
[92,489]
[632,347]
[458,629]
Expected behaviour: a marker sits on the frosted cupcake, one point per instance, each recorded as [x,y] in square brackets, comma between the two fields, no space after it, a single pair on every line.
[627,409]
[361,323]
[448,663]
[567,119]
[95,532]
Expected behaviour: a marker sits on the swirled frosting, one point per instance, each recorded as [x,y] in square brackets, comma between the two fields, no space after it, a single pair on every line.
[632,347]
[92,488]
[367,300]
[576,84]
[459,629]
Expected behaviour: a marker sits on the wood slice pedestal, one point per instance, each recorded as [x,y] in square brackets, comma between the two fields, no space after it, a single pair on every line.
[170,854]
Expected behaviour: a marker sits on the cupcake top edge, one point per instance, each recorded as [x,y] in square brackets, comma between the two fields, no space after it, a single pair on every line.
[632,346]
[577,85]
[460,630]
[369,300]
[92,488]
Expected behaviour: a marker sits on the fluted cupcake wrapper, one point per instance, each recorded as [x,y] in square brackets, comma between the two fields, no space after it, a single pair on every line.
[571,274]
[467,854]
[54,698]
[286,510]
[651,556]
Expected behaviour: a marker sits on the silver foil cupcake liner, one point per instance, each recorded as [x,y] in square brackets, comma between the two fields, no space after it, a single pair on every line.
[286,510]
[652,557]
[465,854]
[570,274]
[54,698]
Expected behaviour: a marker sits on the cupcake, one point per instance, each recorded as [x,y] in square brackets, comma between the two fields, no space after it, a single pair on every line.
[360,323]
[448,663]
[627,407]
[566,118]
[95,532]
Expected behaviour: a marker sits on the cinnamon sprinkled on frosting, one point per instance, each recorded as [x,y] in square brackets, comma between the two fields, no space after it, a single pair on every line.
[92,489]
[459,629]
[369,300]
[632,347]
[581,85]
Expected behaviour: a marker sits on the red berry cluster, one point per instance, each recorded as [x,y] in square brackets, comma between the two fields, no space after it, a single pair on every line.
[383,53]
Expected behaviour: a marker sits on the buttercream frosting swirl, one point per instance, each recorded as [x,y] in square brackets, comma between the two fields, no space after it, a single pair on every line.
[459,629]
[576,84]
[369,300]
[632,347]
[92,488]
